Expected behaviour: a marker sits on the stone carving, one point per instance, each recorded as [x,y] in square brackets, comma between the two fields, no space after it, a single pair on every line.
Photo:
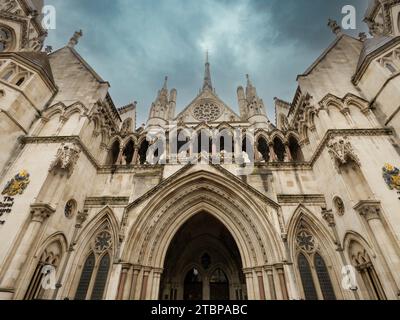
[342,151]
[17,185]
[8,5]
[391,175]
[66,158]
[5,39]
[339,206]
[207,112]
[75,39]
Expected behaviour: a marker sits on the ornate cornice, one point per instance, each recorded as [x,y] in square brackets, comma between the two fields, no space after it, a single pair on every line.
[318,199]
[64,139]
[103,201]
[369,209]
[41,211]
[347,132]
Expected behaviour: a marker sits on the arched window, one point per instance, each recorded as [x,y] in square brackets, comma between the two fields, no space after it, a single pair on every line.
[8,74]
[128,153]
[202,144]
[101,278]
[263,148]
[364,266]
[313,271]
[20,81]
[94,276]
[86,275]
[219,286]
[279,149]
[114,153]
[48,263]
[144,147]
[295,150]
[307,278]
[193,286]
[323,278]
[390,67]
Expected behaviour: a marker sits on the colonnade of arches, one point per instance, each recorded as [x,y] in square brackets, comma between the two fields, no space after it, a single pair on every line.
[262,148]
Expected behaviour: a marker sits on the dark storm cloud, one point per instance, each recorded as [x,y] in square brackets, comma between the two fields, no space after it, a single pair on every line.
[134,43]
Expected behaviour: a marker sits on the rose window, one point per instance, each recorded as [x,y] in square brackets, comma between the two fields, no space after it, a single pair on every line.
[103,241]
[305,241]
[207,112]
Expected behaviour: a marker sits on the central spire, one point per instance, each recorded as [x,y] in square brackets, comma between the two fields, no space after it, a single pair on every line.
[207,85]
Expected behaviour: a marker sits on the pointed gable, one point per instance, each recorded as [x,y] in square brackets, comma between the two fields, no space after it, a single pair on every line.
[76,78]
[207,107]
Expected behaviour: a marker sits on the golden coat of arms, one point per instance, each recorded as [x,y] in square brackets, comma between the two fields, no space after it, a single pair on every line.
[17,185]
[391,175]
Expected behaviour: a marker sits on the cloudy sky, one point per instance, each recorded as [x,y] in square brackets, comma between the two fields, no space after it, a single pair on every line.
[134,43]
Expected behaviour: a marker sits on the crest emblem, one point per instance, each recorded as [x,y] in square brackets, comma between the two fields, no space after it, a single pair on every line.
[391,175]
[17,185]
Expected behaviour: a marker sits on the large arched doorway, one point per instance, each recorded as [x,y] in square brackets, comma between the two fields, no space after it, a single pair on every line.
[203,263]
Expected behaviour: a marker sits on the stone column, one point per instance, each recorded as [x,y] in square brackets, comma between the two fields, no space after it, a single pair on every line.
[135,277]
[248,273]
[371,211]
[135,156]
[260,279]
[156,284]
[288,154]
[282,281]
[330,219]
[122,281]
[272,155]
[39,214]
[271,283]
[143,293]
[346,113]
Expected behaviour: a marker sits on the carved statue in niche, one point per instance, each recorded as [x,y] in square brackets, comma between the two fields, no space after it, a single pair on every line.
[66,158]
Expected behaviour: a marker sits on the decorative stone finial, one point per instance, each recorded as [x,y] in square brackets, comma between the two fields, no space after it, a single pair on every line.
[48,49]
[362,36]
[75,39]
[336,29]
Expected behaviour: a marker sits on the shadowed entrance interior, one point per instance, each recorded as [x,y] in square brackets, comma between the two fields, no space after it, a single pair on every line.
[203,263]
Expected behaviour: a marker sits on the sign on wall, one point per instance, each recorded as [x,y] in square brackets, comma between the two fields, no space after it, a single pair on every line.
[16,186]
[391,174]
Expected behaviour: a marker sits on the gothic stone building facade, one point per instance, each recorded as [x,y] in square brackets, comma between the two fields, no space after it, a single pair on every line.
[84,214]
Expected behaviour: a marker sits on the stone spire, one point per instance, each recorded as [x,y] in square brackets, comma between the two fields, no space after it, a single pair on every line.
[251,91]
[207,85]
[75,39]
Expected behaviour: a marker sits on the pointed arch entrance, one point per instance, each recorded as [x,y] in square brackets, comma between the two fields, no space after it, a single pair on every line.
[161,214]
[203,262]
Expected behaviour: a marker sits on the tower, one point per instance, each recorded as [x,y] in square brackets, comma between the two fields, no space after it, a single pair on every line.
[20,26]
[383,18]
[163,108]
[250,105]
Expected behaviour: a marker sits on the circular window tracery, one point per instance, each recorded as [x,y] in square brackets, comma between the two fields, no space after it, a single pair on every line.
[207,111]
[103,241]
[70,208]
[306,241]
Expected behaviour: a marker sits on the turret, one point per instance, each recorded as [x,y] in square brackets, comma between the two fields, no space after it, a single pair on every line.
[163,108]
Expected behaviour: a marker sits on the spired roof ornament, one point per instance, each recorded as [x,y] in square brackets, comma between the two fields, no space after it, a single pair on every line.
[17,185]
[391,175]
